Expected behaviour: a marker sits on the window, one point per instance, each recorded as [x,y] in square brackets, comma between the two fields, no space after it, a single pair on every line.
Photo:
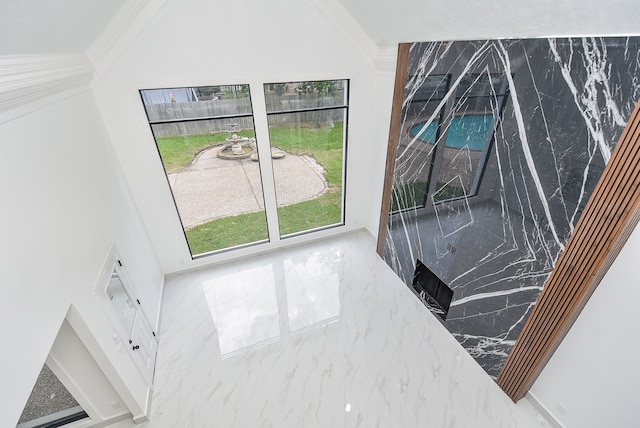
[307,122]
[467,136]
[207,143]
[454,137]
[419,142]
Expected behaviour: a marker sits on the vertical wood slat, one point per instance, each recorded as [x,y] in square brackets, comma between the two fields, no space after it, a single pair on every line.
[402,65]
[590,218]
[583,254]
[609,218]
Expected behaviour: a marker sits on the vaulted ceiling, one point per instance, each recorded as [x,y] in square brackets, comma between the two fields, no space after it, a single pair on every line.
[72,26]
[388,23]
[52,26]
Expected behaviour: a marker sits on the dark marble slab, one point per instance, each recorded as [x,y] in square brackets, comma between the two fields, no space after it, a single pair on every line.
[502,143]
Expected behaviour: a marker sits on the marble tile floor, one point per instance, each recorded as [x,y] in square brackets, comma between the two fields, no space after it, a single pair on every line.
[321,335]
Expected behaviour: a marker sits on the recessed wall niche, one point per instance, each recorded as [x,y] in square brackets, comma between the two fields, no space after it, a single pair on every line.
[495,150]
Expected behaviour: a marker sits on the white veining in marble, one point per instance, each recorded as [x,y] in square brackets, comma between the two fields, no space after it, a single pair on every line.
[322,335]
[491,220]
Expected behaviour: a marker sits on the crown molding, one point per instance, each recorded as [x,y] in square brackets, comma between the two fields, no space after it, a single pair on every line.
[385,60]
[27,80]
[121,29]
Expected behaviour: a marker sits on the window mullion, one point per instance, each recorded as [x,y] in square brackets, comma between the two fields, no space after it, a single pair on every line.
[264,154]
[436,159]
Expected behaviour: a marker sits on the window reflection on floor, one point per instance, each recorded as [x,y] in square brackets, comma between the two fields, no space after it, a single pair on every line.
[312,292]
[244,308]
[257,306]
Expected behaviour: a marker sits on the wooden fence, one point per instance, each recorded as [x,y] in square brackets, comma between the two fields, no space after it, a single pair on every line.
[240,106]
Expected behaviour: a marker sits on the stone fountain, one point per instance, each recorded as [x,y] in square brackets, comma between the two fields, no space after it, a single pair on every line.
[237,147]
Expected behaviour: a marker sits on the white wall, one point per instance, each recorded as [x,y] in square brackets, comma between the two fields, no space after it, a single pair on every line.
[592,379]
[64,203]
[72,363]
[190,43]
[384,99]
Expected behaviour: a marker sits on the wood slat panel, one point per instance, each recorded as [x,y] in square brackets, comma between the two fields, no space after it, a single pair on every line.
[566,268]
[402,65]
[567,264]
[610,216]
[600,220]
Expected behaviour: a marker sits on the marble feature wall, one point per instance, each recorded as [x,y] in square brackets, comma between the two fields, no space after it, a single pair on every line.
[501,145]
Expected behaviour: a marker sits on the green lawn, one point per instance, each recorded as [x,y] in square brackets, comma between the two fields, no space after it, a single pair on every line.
[178,152]
[324,144]
[447,191]
[227,232]
[408,195]
[321,211]
[252,227]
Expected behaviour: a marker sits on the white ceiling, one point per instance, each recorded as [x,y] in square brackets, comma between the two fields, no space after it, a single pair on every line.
[388,22]
[70,26]
[52,26]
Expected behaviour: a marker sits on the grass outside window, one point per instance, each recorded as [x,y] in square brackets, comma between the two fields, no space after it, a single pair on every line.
[178,152]
[323,144]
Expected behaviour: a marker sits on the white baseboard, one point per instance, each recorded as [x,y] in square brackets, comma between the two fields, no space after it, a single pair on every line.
[543,410]
[112,420]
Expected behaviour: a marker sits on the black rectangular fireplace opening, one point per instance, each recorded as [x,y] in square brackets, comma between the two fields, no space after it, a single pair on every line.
[433,292]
